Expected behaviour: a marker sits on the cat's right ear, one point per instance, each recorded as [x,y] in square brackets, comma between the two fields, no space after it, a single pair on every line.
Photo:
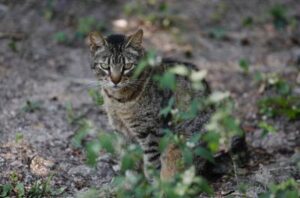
[96,40]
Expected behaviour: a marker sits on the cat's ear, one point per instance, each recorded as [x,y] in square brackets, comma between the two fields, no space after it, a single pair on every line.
[135,39]
[96,40]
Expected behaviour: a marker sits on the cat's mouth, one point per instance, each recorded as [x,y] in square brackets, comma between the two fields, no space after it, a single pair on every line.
[116,86]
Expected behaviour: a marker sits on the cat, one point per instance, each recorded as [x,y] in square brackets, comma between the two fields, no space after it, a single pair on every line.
[133,104]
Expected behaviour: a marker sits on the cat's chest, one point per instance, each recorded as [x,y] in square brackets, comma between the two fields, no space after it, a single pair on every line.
[121,109]
[134,109]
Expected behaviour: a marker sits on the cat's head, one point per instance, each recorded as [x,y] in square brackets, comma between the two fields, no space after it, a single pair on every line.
[115,58]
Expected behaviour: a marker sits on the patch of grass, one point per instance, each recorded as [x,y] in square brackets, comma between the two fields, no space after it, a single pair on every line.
[40,189]
[96,97]
[217,33]
[244,65]
[248,21]
[131,8]
[272,80]
[48,12]
[19,137]
[289,188]
[72,116]
[84,127]
[31,106]
[220,12]
[13,45]
[152,11]
[287,106]
[266,128]
[61,38]
[5,190]
[87,24]
[279,16]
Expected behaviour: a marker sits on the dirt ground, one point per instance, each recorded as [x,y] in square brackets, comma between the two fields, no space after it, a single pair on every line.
[36,66]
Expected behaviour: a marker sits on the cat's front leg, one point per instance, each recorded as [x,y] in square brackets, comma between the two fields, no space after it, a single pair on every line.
[149,139]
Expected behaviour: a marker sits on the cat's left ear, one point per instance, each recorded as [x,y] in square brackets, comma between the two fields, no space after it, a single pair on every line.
[96,40]
[135,39]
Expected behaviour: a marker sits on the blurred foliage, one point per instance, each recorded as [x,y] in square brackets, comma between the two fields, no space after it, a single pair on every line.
[149,60]
[289,188]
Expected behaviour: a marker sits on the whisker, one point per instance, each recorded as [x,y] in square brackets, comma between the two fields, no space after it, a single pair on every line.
[93,84]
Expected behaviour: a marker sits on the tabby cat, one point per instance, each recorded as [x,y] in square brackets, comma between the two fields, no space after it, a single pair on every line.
[133,103]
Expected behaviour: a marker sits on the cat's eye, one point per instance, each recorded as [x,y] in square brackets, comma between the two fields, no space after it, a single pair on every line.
[128,66]
[104,66]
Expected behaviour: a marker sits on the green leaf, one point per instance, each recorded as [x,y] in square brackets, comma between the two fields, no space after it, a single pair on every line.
[198,76]
[31,106]
[218,96]
[86,24]
[266,128]
[127,162]
[212,139]
[5,190]
[279,15]
[179,70]
[106,142]
[60,37]
[205,187]
[96,97]
[165,111]
[92,149]
[244,65]
[248,21]
[187,156]
[81,133]
[20,190]
[283,87]
[166,140]
[166,81]
[288,106]
[18,137]
[206,154]
[217,33]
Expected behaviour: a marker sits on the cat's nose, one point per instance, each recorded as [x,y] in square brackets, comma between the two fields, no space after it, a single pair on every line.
[115,78]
